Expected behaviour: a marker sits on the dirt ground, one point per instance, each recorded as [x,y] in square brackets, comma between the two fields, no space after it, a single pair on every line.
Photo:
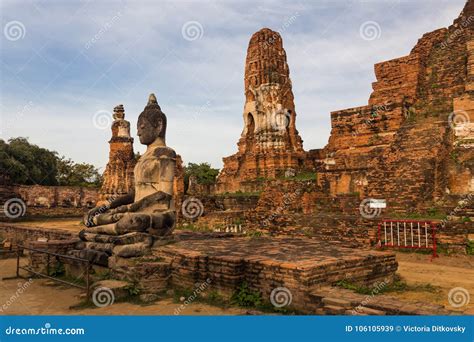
[428,280]
[54,223]
[443,273]
[42,297]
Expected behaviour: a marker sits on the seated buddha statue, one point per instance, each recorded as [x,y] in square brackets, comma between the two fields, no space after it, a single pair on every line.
[149,209]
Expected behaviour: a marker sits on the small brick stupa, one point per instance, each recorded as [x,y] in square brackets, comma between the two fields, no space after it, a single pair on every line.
[118,175]
[270,145]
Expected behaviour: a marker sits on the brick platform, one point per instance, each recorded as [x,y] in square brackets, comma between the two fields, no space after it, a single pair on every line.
[301,265]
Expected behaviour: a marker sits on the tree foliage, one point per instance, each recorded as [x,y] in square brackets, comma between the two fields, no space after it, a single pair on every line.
[203,172]
[70,173]
[24,163]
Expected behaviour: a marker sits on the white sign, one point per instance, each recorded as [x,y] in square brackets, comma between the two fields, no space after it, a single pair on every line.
[377,203]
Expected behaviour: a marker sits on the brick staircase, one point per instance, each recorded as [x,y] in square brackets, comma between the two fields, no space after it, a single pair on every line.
[339,301]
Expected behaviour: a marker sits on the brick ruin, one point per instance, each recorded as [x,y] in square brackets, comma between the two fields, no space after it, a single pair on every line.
[410,145]
[270,145]
[405,146]
[118,174]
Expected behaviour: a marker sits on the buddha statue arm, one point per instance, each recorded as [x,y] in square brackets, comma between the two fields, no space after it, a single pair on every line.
[114,206]
[149,200]
[122,200]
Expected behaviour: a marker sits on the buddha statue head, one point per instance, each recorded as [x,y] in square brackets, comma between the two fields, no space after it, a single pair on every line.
[151,123]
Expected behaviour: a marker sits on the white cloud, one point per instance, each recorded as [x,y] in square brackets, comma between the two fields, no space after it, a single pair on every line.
[142,51]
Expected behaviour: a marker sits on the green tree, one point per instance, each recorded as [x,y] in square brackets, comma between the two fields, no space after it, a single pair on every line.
[73,174]
[24,163]
[203,172]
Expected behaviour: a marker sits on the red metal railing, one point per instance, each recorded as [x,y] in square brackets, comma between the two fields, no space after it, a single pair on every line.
[407,234]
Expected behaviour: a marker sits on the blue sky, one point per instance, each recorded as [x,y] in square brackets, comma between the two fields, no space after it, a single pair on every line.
[66,64]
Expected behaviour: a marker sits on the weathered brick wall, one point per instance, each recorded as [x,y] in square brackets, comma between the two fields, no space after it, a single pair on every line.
[151,276]
[401,146]
[20,235]
[220,211]
[57,196]
[49,264]
[51,201]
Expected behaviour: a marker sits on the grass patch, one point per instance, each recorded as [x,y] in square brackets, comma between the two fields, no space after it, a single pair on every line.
[215,299]
[58,270]
[418,251]
[254,234]
[431,214]
[245,297]
[240,194]
[470,247]
[303,176]
[102,275]
[354,287]
[132,289]
[195,228]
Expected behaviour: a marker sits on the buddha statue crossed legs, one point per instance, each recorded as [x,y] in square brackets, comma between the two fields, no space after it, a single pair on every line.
[126,226]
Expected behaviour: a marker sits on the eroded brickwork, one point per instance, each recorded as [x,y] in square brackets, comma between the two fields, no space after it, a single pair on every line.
[269,144]
[403,146]
[118,174]
[55,201]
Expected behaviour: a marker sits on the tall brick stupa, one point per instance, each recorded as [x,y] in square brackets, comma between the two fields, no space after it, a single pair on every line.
[118,175]
[269,145]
